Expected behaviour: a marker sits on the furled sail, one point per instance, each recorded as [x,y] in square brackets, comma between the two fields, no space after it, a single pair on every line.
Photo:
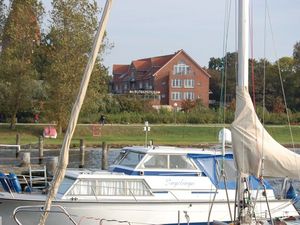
[252,144]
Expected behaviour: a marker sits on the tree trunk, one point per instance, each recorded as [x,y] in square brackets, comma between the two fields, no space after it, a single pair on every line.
[13,121]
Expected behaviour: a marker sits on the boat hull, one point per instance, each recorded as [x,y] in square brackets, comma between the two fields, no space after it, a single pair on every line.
[139,213]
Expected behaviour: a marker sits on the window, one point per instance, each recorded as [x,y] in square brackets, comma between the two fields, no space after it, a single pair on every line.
[176,83]
[176,95]
[140,84]
[181,68]
[109,187]
[180,162]
[125,87]
[189,83]
[168,161]
[131,159]
[189,95]
[163,96]
[157,162]
[65,185]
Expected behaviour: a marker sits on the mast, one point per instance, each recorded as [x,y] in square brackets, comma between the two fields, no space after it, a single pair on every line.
[243,43]
[64,153]
[244,216]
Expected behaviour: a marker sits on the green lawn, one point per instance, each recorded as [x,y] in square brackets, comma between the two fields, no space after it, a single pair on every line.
[121,135]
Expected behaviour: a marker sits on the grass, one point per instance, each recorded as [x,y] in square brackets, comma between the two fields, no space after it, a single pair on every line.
[122,135]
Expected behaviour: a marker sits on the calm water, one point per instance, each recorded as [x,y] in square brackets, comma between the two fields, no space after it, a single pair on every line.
[92,157]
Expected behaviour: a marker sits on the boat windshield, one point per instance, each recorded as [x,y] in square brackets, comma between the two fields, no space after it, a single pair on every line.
[130,159]
[65,185]
[168,161]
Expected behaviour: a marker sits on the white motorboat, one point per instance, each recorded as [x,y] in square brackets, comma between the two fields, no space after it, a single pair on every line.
[146,185]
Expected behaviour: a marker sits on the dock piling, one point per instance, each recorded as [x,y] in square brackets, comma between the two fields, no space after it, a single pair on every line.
[41,149]
[82,154]
[51,165]
[18,141]
[25,159]
[104,160]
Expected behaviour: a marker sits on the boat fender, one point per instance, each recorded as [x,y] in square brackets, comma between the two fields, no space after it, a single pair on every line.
[141,173]
[27,189]
[14,181]
[291,193]
[5,182]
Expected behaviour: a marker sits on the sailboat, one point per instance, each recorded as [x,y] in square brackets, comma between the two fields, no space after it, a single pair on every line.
[255,151]
[149,185]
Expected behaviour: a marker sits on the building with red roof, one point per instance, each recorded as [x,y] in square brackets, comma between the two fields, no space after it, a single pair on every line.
[168,79]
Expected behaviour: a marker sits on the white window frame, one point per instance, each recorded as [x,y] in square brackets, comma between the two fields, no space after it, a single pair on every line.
[189,95]
[176,83]
[181,69]
[176,95]
[189,83]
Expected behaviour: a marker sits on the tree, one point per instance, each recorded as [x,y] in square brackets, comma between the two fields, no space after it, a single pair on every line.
[223,71]
[67,46]
[21,33]
[296,77]
[2,18]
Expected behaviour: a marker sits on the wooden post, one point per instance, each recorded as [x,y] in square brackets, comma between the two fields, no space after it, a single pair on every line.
[41,149]
[51,165]
[18,141]
[25,159]
[104,161]
[81,160]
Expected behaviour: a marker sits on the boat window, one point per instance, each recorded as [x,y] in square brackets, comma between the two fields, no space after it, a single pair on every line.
[110,187]
[156,161]
[180,162]
[229,169]
[131,159]
[168,162]
[65,185]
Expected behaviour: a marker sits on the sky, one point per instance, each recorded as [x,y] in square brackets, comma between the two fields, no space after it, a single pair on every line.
[147,28]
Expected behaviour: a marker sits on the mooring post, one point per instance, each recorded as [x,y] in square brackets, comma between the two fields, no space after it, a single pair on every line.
[51,165]
[81,160]
[18,141]
[104,161]
[41,149]
[25,159]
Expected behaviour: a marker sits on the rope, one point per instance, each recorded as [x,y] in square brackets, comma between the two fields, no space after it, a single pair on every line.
[281,83]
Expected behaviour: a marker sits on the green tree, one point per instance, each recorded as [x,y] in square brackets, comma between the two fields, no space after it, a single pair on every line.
[296,77]
[2,18]
[67,46]
[21,33]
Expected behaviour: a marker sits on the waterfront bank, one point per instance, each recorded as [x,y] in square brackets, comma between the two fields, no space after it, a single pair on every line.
[118,135]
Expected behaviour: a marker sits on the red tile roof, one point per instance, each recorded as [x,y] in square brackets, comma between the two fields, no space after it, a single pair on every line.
[145,68]
[120,69]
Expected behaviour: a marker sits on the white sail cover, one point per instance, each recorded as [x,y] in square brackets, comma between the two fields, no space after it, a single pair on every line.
[251,143]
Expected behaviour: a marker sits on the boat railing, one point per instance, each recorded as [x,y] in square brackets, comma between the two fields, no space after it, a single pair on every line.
[39,208]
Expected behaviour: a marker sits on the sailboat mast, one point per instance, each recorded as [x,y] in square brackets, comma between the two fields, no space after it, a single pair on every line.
[242,82]
[243,43]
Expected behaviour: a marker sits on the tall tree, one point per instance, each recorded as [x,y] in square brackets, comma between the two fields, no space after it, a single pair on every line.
[68,43]
[296,77]
[2,18]
[20,35]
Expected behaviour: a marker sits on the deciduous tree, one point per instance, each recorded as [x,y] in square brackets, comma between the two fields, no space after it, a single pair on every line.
[68,43]
[21,33]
